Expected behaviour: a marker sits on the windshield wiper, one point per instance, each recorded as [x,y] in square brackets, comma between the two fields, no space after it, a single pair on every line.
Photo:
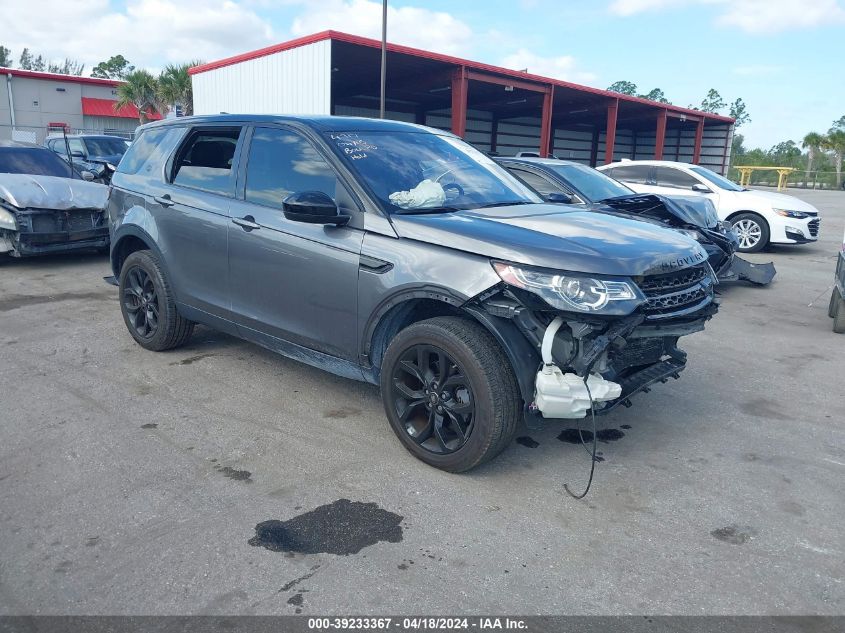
[512,203]
[424,210]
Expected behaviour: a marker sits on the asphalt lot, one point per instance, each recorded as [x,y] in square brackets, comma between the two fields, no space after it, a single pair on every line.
[131,482]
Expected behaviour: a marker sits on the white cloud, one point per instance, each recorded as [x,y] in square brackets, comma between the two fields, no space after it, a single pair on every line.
[771,16]
[146,32]
[561,67]
[411,26]
[751,16]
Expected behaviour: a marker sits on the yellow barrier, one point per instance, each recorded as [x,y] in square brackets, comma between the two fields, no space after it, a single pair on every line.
[745,174]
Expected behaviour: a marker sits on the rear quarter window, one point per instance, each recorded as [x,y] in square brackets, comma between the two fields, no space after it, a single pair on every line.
[630,173]
[151,148]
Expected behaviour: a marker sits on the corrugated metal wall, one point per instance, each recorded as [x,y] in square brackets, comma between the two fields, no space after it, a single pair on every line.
[296,81]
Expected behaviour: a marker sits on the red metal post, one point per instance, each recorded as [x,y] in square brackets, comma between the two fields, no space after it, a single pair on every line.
[546,122]
[610,134]
[459,101]
[660,139]
[699,137]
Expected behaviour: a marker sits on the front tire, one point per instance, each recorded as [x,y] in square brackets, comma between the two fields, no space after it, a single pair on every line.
[752,230]
[837,312]
[449,393]
[147,304]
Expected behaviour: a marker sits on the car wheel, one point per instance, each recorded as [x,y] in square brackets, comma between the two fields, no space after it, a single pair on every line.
[449,393]
[147,304]
[831,307]
[838,309]
[752,231]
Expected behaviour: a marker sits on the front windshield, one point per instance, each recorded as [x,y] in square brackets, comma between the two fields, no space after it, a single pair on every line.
[421,172]
[716,179]
[594,185]
[105,146]
[31,160]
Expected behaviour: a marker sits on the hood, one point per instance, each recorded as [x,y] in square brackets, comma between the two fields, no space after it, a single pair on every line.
[50,192]
[696,211]
[552,236]
[776,200]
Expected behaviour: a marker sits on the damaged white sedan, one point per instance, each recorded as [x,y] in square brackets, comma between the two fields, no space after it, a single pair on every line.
[43,213]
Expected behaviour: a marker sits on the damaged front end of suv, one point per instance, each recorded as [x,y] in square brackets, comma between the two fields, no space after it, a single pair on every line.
[601,340]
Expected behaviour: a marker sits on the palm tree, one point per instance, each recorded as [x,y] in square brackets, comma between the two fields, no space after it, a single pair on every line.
[812,142]
[174,86]
[835,141]
[140,89]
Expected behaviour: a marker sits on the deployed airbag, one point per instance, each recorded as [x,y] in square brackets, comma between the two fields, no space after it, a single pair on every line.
[426,195]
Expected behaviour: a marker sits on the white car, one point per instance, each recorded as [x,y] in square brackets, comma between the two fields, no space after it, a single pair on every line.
[758,217]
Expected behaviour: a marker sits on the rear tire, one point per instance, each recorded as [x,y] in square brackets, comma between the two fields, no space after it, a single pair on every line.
[147,304]
[753,232]
[831,308]
[449,393]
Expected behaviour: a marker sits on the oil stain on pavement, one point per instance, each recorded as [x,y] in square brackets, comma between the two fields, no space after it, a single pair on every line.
[734,534]
[237,475]
[343,527]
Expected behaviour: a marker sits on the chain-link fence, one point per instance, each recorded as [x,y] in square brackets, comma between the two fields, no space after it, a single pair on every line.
[797,179]
[37,135]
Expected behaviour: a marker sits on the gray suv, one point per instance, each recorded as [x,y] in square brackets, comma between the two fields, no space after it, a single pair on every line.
[400,255]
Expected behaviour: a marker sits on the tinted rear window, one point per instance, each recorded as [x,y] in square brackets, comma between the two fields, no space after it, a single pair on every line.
[37,161]
[149,149]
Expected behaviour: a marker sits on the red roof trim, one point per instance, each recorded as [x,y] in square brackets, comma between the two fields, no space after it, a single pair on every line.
[32,74]
[105,107]
[416,52]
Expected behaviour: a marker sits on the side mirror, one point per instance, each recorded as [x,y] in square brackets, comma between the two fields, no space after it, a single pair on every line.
[313,207]
[558,198]
[87,175]
[699,188]
[77,154]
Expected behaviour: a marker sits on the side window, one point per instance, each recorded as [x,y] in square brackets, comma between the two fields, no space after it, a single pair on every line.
[631,173]
[205,160]
[149,149]
[536,182]
[76,146]
[282,162]
[54,145]
[669,177]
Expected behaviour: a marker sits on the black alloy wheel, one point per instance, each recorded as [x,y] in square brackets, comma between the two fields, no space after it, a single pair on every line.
[433,399]
[140,301]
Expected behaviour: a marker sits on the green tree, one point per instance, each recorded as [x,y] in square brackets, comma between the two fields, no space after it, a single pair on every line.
[839,124]
[25,61]
[140,89]
[812,143]
[117,67]
[38,64]
[6,57]
[737,147]
[623,87]
[656,95]
[835,142]
[713,102]
[67,67]
[739,112]
[175,87]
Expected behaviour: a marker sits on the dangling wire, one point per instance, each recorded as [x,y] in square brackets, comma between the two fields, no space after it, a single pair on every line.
[584,444]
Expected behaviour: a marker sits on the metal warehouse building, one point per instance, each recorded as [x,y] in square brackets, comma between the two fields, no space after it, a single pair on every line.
[495,109]
[34,103]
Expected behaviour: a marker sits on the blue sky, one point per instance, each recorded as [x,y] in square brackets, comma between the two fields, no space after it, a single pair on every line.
[783,57]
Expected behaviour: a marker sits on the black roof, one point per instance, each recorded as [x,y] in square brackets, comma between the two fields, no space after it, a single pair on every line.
[321,123]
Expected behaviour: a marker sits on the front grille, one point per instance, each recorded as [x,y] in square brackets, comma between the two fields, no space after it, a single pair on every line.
[80,221]
[814,227]
[668,294]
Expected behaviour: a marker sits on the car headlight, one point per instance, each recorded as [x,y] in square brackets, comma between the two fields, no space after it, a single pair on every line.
[7,221]
[798,215]
[691,234]
[574,291]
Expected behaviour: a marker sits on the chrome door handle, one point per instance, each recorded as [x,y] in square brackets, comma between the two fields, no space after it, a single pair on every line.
[247,223]
[164,200]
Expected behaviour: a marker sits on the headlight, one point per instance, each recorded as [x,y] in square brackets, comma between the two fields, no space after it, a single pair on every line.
[691,233]
[7,221]
[574,291]
[798,215]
